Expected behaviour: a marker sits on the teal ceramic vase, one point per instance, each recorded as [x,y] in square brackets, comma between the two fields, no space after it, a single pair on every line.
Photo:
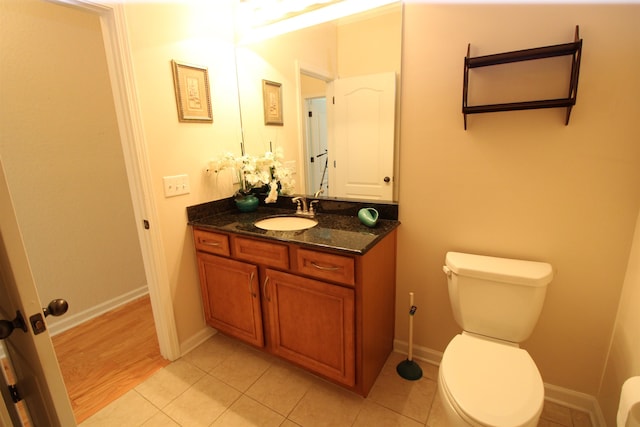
[368,216]
[247,203]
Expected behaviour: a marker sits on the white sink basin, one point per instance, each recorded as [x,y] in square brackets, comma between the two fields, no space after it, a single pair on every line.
[286,223]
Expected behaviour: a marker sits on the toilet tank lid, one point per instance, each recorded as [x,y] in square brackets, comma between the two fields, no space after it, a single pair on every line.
[520,272]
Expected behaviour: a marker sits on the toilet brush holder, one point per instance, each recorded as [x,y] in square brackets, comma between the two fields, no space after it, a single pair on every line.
[408,369]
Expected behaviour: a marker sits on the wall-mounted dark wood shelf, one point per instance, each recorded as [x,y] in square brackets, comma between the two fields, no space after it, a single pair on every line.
[574,49]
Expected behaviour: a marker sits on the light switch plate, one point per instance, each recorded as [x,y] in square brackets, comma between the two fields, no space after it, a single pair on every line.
[176,185]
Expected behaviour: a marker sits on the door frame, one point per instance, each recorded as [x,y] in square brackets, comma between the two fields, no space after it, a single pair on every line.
[134,146]
[321,74]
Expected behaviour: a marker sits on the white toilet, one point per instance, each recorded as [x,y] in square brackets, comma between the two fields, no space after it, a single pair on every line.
[485,379]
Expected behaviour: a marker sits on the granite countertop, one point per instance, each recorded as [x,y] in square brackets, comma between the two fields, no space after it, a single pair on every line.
[338,227]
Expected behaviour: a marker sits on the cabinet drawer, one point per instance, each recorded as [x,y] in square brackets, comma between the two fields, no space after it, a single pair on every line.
[326,266]
[261,252]
[214,243]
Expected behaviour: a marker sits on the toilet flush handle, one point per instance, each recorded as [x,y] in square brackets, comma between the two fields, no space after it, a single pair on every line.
[446,270]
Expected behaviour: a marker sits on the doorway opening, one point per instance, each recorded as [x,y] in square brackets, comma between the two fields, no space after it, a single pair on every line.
[316,146]
[313,87]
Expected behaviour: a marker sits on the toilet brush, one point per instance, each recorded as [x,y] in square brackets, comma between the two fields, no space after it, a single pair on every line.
[408,369]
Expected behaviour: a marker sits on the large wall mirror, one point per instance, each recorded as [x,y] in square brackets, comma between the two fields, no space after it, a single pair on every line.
[339,97]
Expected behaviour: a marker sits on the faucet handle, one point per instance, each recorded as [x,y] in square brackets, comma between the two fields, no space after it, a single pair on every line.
[296,200]
[311,211]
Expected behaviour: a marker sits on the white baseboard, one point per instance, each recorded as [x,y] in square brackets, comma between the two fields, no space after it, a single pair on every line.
[576,400]
[423,353]
[563,396]
[67,322]
[196,339]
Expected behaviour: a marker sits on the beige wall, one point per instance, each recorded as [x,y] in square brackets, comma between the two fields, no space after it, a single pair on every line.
[197,32]
[371,45]
[61,151]
[623,359]
[521,184]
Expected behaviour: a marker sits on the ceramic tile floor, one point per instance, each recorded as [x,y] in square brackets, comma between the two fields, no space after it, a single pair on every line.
[225,383]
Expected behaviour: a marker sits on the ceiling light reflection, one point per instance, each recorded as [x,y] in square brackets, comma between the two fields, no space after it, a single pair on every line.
[250,30]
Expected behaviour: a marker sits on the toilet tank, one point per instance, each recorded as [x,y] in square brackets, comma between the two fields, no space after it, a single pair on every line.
[496,297]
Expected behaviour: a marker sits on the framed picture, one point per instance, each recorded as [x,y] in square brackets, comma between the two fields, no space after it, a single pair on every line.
[272,95]
[193,96]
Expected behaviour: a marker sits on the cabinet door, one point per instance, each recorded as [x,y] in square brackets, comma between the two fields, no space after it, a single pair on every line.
[312,323]
[231,297]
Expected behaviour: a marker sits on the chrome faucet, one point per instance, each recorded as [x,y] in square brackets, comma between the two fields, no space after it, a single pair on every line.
[317,193]
[304,209]
[299,210]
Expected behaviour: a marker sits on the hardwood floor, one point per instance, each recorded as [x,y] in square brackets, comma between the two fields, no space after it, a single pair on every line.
[107,356]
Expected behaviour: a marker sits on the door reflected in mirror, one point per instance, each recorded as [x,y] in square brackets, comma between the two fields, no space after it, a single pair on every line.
[332,132]
[356,140]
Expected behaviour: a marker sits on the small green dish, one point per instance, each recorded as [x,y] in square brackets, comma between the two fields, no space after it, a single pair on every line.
[368,216]
[248,203]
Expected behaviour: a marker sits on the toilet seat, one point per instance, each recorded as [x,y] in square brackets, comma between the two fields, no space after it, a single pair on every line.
[490,383]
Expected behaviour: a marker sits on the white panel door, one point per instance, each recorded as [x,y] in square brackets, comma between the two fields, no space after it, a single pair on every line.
[38,376]
[364,131]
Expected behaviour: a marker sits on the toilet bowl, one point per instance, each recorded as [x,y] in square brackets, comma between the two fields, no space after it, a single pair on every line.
[485,378]
[484,383]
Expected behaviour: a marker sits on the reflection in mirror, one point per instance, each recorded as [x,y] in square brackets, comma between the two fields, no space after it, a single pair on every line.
[343,149]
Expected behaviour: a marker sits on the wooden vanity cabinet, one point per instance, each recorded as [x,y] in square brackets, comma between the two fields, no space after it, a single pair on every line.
[327,311]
